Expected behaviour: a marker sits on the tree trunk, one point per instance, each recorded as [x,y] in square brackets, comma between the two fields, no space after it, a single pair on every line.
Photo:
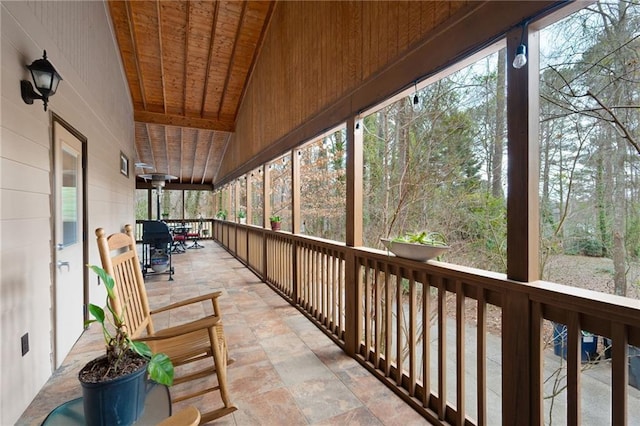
[496,172]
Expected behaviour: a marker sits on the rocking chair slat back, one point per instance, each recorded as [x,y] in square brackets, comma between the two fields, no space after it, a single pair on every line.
[131,300]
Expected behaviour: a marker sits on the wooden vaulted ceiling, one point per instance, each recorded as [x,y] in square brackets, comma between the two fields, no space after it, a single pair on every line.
[187,64]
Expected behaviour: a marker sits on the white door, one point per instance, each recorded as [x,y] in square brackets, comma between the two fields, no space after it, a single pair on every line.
[69,261]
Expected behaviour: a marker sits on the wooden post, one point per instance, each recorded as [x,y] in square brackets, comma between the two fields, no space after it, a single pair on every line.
[295,218]
[353,291]
[522,128]
[266,196]
[354,182]
[229,191]
[249,206]
[295,191]
[518,350]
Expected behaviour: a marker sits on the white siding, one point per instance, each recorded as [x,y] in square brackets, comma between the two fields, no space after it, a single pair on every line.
[94,99]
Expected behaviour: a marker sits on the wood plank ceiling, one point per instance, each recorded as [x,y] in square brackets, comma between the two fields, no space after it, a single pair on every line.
[187,64]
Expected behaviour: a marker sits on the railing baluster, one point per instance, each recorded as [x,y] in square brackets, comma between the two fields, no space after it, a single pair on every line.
[426,339]
[378,316]
[442,349]
[399,326]
[388,308]
[574,357]
[460,352]
[368,292]
[341,280]
[481,357]
[325,283]
[620,374]
[413,334]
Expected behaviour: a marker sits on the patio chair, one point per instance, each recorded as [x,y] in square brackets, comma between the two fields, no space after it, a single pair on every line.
[200,341]
[189,416]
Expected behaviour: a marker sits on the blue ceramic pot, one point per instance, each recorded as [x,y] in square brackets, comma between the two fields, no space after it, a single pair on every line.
[115,402]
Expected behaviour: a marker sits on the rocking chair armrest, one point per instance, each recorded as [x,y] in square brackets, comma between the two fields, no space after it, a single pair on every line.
[182,329]
[210,296]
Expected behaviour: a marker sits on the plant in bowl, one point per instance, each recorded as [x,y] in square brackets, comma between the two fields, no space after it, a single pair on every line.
[420,246]
[242,216]
[276,222]
[116,380]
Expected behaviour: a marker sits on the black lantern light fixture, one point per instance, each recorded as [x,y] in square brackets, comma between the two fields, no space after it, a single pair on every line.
[46,79]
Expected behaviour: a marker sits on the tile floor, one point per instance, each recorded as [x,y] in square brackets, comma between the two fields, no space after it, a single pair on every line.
[287,372]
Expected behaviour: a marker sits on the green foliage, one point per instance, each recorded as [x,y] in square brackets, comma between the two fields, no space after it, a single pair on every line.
[241,214]
[222,215]
[583,241]
[118,342]
[428,238]
[275,219]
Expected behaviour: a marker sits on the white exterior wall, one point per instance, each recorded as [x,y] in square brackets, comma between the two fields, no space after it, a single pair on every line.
[94,99]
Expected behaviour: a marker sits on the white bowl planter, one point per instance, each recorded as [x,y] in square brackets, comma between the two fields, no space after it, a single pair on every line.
[414,251]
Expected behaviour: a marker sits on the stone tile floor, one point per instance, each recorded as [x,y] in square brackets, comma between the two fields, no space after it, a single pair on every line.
[286,371]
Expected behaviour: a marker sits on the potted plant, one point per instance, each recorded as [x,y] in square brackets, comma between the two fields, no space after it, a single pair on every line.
[420,246]
[276,222]
[165,215]
[222,215]
[242,216]
[114,384]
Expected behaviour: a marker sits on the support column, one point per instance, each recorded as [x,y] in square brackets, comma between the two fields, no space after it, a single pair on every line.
[522,234]
[353,291]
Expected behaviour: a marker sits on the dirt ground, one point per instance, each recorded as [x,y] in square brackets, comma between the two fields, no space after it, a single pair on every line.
[593,273]
[577,271]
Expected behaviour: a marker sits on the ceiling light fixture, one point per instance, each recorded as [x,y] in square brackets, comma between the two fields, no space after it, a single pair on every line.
[46,79]
[143,166]
[521,52]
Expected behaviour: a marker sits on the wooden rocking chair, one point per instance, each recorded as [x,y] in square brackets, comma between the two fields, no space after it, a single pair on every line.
[199,340]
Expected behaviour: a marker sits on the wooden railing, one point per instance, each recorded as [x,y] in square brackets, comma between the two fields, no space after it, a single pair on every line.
[374,305]
[205,226]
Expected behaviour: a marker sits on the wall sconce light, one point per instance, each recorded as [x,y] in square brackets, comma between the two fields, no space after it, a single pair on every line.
[521,52]
[46,79]
[416,100]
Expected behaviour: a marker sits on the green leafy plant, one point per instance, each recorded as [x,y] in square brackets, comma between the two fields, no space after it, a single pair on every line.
[118,342]
[433,238]
[222,214]
[241,214]
[275,219]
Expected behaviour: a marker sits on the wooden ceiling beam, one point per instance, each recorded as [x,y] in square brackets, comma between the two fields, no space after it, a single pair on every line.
[186,55]
[136,56]
[233,58]
[166,150]
[153,156]
[181,153]
[196,140]
[206,164]
[163,72]
[182,121]
[141,184]
[212,38]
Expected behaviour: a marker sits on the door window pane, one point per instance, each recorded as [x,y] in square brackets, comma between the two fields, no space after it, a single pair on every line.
[69,197]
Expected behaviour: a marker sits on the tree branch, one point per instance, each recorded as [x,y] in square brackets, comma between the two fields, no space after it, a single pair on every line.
[626,133]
